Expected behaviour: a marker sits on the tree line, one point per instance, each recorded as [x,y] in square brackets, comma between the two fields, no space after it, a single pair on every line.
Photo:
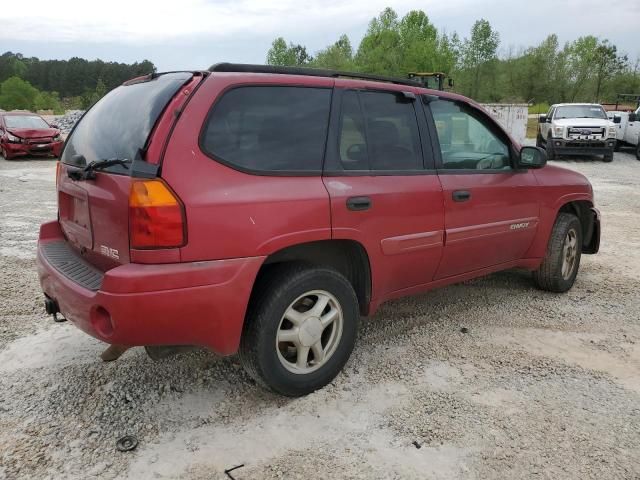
[33,84]
[586,69]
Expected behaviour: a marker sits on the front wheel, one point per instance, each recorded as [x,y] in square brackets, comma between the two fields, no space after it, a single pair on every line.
[551,154]
[559,268]
[300,329]
[638,150]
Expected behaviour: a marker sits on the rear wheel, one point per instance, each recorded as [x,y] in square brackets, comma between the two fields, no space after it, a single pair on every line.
[608,157]
[300,329]
[559,268]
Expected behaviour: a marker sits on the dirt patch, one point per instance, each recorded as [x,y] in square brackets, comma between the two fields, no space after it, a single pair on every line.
[539,386]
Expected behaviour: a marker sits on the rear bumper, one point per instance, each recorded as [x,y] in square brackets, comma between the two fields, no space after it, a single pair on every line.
[21,149]
[198,303]
[584,147]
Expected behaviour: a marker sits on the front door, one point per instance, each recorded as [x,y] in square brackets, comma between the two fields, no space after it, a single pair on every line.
[491,210]
[381,193]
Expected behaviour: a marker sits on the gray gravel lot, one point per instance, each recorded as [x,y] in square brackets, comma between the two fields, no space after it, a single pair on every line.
[542,385]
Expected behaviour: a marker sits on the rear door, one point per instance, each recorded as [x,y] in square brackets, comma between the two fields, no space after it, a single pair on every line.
[93,214]
[381,193]
[491,210]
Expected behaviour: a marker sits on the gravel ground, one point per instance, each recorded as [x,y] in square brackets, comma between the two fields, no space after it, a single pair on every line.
[541,386]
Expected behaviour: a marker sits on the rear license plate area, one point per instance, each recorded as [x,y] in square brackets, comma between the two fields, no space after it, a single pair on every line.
[75,220]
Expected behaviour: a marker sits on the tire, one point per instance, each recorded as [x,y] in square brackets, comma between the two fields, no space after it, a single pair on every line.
[638,150]
[608,157]
[554,275]
[272,342]
[616,147]
[551,154]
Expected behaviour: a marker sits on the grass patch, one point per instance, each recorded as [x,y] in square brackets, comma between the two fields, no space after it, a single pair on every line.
[539,108]
[532,127]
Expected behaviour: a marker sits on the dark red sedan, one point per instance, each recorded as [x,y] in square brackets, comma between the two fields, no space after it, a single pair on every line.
[25,133]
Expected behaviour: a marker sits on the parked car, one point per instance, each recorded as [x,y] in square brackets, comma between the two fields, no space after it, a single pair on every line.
[25,133]
[263,210]
[577,129]
[628,129]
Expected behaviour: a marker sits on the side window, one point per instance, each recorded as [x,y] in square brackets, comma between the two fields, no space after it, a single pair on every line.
[352,143]
[467,140]
[392,132]
[378,131]
[267,128]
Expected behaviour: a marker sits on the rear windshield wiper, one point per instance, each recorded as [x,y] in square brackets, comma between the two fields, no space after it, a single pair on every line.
[89,172]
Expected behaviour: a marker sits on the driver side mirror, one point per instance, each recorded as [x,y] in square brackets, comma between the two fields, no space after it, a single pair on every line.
[542,119]
[531,157]
[617,119]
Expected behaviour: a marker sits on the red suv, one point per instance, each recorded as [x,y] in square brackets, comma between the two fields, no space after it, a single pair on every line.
[25,133]
[263,210]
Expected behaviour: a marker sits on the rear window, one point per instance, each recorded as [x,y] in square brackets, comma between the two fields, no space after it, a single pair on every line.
[120,123]
[269,129]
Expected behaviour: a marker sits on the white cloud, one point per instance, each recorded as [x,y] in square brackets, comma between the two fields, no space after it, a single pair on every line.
[147,21]
[190,33]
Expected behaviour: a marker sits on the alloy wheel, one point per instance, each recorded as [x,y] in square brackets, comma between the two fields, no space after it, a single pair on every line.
[569,254]
[309,332]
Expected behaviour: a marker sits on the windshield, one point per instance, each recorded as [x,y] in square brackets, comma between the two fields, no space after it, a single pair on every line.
[120,123]
[580,111]
[25,121]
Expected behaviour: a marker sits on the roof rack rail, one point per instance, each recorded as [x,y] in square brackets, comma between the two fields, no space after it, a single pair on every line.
[311,72]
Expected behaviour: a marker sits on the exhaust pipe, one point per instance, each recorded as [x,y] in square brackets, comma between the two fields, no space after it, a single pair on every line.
[52,308]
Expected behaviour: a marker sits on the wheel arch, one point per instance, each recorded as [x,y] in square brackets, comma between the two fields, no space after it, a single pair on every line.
[348,257]
[583,210]
[578,204]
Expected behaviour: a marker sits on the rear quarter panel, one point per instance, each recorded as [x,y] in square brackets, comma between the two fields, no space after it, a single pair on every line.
[232,214]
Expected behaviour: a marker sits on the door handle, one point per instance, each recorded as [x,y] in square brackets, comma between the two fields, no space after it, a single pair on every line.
[358,203]
[461,195]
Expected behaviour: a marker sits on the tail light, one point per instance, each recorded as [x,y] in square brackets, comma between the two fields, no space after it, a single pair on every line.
[156,216]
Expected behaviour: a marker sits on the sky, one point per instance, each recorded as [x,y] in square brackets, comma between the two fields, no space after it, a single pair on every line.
[194,34]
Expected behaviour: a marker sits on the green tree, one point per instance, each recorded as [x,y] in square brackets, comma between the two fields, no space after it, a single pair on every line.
[91,97]
[479,50]
[47,101]
[418,43]
[15,93]
[607,64]
[338,56]
[580,55]
[287,55]
[379,50]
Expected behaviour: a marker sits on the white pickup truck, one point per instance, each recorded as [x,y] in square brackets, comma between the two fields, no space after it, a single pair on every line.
[577,129]
[628,130]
